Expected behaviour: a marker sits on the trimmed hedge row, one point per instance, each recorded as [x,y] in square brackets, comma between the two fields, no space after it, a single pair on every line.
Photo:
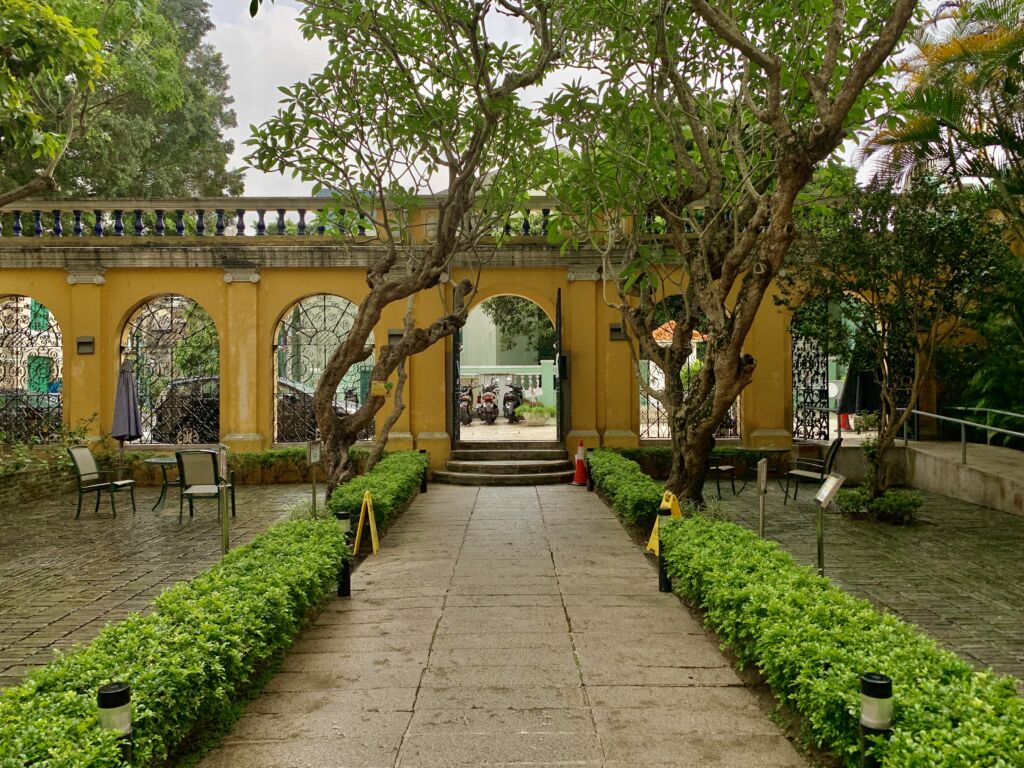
[812,641]
[394,481]
[203,643]
[631,493]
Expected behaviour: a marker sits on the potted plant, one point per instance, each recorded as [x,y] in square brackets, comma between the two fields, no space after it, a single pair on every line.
[535,415]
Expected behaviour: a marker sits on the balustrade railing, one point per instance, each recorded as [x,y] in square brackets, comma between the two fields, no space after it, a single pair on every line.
[194,217]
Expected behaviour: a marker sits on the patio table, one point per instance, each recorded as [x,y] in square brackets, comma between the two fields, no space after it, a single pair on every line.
[165,463]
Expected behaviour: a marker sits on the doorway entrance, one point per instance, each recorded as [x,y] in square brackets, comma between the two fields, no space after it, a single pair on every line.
[504,373]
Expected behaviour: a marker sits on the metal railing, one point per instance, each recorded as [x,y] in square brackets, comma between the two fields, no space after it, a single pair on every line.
[964,424]
[988,417]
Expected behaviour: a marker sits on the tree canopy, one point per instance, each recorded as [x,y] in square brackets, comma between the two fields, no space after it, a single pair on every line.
[149,122]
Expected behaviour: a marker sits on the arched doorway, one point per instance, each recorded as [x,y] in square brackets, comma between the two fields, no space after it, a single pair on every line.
[654,420]
[506,373]
[174,349]
[31,372]
[306,336]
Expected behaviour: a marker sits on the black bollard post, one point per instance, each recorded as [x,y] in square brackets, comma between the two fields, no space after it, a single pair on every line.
[345,579]
[423,480]
[590,477]
[664,582]
[875,713]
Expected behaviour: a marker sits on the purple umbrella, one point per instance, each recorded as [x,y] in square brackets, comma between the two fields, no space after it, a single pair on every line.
[127,418]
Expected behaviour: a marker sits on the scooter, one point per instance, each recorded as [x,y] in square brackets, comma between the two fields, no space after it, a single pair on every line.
[513,399]
[487,410]
[466,404]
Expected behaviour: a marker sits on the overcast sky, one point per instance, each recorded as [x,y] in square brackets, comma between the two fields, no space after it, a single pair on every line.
[262,54]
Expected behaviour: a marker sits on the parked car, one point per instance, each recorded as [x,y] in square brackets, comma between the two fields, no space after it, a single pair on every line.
[188,411]
[29,417]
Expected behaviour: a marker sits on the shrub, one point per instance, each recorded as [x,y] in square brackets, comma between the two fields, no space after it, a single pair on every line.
[893,506]
[812,641]
[656,460]
[541,410]
[631,493]
[394,481]
[202,644]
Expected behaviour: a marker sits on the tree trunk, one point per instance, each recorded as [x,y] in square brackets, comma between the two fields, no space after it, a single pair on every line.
[697,456]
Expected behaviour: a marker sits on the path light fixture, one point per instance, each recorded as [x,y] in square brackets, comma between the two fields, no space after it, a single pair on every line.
[115,714]
[875,712]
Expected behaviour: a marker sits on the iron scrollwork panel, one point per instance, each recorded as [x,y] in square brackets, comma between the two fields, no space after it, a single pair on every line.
[810,389]
[305,340]
[31,363]
[654,420]
[175,353]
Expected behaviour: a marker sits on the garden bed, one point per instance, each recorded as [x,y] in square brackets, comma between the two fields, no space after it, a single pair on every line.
[205,642]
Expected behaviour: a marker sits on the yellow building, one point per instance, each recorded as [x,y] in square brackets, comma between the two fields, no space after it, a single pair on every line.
[249,288]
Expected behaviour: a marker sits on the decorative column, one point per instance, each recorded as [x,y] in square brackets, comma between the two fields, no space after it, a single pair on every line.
[618,391]
[766,405]
[391,320]
[90,378]
[239,369]
[579,321]
[427,378]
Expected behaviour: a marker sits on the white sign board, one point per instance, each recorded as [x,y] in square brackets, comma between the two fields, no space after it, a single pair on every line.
[829,489]
[313,454]
[222,461]
[762,476]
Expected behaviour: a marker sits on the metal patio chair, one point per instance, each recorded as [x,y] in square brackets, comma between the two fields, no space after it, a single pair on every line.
[197,471]
[92,479]
[812,469]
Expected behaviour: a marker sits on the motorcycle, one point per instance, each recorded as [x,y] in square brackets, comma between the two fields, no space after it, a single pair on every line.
[487,410]
[513,399]
[466,404]
[351,401]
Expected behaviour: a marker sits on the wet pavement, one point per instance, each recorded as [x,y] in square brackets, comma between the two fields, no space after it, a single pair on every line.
[506,626]
[62,580]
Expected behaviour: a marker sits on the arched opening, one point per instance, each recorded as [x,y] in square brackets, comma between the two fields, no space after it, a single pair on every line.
[506,372]
[173,346]
[305,338]
[31,372]
[654,421]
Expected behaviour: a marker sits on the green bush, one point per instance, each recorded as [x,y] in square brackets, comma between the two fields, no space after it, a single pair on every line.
[893,506]
[394,481]
[631,493]
[812,642]
[541,410]
[202,644]
[656,460]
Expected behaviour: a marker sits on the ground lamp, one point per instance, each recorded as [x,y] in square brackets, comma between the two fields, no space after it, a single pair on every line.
[875,711]
[115,714]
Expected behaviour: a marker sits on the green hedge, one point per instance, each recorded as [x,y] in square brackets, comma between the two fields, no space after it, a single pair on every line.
[812,641]
[394,481]
[656,460]
[631,493]
[203,643]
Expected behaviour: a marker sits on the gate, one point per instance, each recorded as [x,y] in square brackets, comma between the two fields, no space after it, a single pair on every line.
[31,358]
[810,389]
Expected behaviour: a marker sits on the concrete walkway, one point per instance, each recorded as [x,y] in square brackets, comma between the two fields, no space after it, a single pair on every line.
[505,626]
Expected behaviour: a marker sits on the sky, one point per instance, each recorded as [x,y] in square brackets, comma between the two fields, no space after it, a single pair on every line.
[262,53]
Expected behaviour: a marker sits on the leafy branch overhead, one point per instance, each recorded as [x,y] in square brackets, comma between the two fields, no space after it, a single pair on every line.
[418,106]
[706,121]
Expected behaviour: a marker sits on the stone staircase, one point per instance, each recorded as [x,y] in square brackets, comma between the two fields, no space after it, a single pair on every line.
[507,463]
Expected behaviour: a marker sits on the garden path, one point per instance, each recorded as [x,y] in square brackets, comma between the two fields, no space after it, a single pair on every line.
[62,580]
[505,626]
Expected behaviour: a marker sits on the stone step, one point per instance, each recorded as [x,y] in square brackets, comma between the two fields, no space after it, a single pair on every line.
[540,478]
[526,454]
[508,445]
[509,467]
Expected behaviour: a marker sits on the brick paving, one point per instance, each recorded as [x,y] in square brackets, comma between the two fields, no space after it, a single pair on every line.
[958,573]
[62,580]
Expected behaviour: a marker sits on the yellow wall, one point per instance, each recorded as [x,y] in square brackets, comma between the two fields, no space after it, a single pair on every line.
[603,389]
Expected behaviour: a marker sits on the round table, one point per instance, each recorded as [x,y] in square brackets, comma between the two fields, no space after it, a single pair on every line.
[165,463]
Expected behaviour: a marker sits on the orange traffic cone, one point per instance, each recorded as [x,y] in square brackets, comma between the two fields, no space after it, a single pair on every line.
[844,421]
[580,478]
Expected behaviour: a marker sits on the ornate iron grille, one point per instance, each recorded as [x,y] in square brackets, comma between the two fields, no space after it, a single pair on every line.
[31,361]
[810,389]
[654,420]
[175,352]
[306,338]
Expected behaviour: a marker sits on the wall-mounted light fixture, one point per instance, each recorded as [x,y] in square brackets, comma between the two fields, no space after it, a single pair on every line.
[85,345]
[616,332]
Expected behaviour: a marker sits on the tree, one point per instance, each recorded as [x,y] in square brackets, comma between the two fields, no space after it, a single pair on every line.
[43,51]
[961,116]
[706,122]
[903,270]
[516,317]
[413,92]
[147,143]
